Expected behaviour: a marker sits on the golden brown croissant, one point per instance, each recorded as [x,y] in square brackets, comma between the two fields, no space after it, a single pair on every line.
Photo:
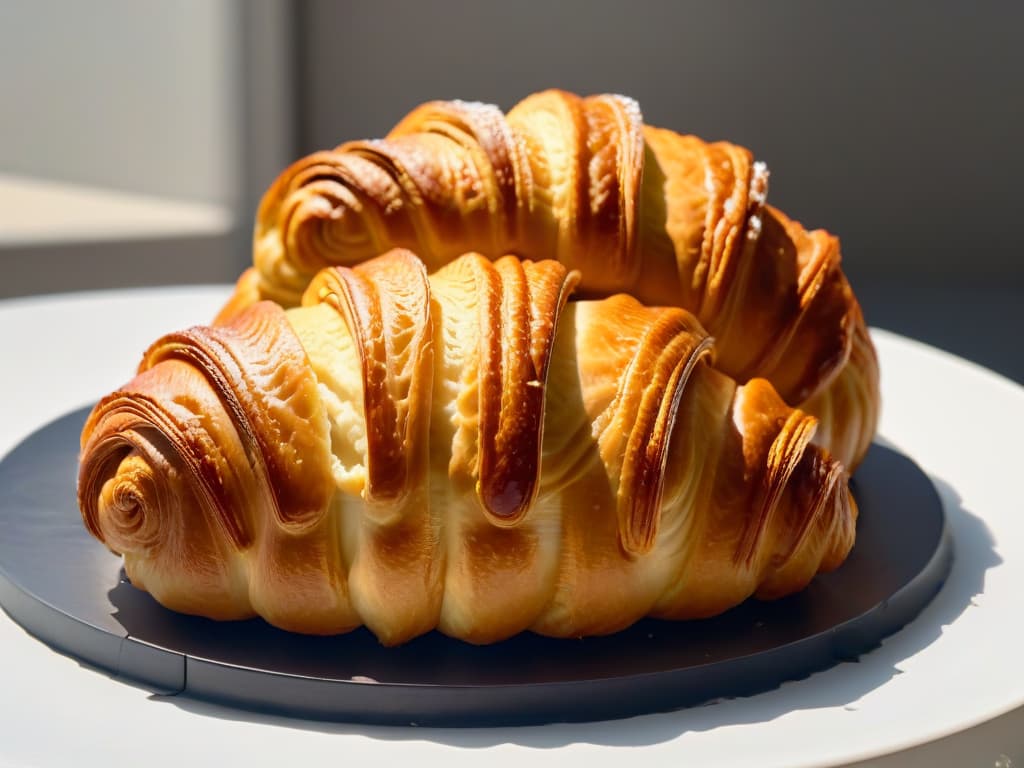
[466,451]
[668,218]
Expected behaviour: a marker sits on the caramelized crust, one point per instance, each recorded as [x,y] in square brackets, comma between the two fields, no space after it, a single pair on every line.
[385,304]
[668,218]
[468,452]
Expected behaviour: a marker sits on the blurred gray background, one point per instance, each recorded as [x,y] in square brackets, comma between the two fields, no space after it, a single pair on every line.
[895,125]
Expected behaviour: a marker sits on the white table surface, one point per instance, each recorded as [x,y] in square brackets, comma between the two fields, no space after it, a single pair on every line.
[957,666]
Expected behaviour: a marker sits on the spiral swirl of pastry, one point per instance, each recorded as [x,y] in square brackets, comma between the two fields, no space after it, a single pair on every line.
[467,451]
[668,218]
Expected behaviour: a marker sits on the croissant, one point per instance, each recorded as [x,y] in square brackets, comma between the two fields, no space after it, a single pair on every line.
[668,218]
[468,452]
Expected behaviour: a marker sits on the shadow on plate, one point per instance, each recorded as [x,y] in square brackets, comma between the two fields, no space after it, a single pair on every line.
[841,685]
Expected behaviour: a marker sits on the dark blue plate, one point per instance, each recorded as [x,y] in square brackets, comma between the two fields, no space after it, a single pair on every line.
[68,590]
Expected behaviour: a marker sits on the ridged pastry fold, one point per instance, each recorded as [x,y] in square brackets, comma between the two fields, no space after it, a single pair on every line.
[467,451]
[670,219]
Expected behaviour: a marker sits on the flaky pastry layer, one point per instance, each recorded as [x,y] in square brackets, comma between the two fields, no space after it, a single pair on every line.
[668,218]
[467,451]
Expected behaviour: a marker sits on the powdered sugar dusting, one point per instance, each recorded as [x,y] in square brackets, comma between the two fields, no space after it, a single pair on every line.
[759,183]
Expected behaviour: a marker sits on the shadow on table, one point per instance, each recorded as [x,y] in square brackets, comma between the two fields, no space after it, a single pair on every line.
[842,685]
